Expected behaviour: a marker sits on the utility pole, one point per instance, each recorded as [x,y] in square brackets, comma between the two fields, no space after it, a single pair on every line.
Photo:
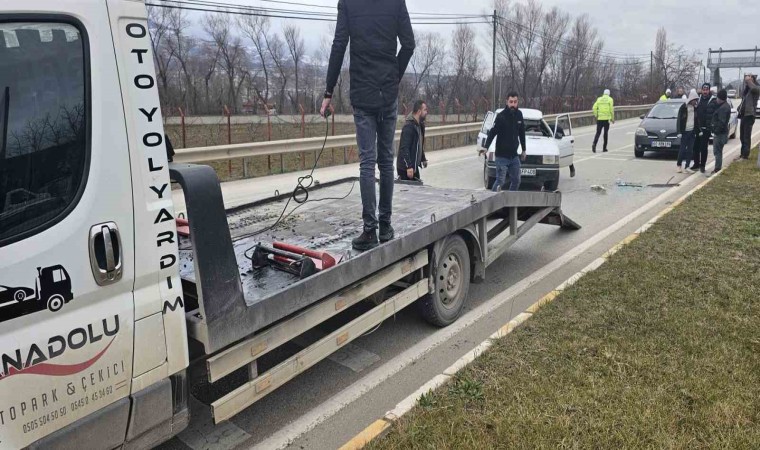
[651,73]
[493,65]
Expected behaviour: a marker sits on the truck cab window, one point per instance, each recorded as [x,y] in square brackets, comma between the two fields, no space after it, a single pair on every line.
[43,125]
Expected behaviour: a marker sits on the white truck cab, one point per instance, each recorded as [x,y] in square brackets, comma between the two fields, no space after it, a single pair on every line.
[83,171]
[548,150]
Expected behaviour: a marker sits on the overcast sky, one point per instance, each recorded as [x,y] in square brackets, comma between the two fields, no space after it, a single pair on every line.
[626,26]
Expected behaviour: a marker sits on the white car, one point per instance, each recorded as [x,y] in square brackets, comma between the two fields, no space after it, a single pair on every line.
[548,150]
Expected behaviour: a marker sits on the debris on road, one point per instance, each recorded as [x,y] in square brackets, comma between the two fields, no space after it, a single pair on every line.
[599,188]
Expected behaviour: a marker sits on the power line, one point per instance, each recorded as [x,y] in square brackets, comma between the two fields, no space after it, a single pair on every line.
[196,5]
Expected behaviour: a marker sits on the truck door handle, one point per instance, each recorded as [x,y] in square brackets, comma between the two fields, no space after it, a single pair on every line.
[105,253]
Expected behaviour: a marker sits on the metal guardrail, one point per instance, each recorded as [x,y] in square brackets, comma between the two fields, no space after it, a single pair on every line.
[248,150]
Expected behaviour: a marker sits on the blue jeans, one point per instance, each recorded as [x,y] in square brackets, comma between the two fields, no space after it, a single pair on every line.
[504,166]
[687,147]
[719,140]
[374,136]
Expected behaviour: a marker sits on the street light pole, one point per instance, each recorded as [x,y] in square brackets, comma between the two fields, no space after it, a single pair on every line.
[493,64]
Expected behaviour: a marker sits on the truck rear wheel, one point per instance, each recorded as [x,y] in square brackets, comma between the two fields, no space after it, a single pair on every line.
[450,285]
[55,303]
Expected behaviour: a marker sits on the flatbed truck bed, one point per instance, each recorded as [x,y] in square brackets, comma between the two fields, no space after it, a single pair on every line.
[265,308]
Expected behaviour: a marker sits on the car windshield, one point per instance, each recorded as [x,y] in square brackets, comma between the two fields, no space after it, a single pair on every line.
[665,111]
[537,128]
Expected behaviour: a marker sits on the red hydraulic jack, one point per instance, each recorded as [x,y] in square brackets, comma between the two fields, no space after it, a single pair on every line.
[293,259]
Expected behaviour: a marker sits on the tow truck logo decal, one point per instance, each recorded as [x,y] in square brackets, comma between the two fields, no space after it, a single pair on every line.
[34,360]
[52,290]
[57,370]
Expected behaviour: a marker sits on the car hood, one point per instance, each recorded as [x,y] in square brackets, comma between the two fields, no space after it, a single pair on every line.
[537,146]
[655,125]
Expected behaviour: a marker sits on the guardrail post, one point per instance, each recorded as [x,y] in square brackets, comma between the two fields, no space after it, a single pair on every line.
[229,124]
[184,132]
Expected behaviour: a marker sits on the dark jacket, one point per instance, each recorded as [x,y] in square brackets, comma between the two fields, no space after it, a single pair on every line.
[509,127]
[749,99]
[720,119]
[372,27]
[411,148]
[705,109]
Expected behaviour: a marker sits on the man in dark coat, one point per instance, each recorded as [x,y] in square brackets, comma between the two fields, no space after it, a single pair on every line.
[411,147]
[374,29]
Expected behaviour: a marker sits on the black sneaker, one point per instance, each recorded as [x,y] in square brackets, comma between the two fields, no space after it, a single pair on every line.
[694,168]
[702,169]
[593,148]
[386,233]
[604,151]
[366,241]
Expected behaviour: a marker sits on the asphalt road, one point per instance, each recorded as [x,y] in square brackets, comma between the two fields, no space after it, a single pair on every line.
[326,406]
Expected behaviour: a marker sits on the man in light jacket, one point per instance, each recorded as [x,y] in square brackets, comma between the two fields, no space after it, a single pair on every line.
[411,150]
[604,111]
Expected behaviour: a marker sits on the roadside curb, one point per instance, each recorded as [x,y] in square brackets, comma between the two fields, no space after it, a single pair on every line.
[380,426]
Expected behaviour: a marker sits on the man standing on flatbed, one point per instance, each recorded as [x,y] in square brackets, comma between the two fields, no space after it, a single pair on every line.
[374,29]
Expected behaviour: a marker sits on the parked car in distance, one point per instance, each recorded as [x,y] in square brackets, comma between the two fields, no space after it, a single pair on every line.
[732,93]
[658,130]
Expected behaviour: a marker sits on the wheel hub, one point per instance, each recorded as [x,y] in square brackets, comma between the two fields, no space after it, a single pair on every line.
[450,278]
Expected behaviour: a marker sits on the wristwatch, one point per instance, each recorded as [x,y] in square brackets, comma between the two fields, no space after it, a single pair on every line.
[328,94]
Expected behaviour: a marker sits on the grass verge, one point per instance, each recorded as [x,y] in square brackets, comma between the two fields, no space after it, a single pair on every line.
[658,348]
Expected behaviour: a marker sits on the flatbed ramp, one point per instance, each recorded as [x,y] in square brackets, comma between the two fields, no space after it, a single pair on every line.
[234,301]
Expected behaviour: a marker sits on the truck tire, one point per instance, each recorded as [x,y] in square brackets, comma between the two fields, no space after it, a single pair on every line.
[551,185]
[55,303]
[487,181]
[451,283]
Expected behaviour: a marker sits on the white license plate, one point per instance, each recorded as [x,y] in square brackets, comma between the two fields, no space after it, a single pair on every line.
[665,144]
[528,172]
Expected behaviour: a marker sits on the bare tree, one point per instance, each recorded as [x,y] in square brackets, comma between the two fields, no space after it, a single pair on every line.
[182,46]
[276,50]
[465,58]
[429,52]
[231,52]
[675,65]
[297,48]
[158,24]
[256,28]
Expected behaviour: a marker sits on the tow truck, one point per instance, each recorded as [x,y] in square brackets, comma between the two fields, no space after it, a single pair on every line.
[151,305]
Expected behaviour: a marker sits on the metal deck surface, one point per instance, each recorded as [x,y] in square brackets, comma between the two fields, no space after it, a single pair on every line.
[325,225]
[328,222]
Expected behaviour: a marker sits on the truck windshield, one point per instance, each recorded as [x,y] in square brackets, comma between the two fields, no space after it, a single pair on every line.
[43,152]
